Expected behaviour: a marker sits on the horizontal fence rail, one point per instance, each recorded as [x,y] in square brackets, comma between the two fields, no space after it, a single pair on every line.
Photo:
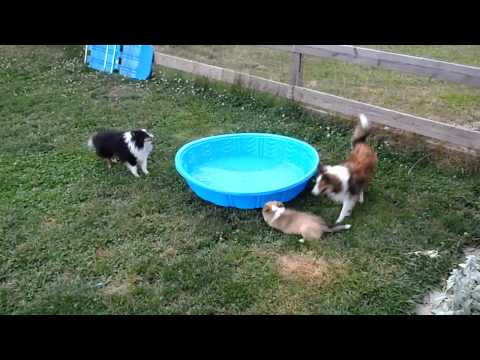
[331,103]
[435,69]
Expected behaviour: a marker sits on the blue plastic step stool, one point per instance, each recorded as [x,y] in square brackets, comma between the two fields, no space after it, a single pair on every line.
[103,57]
[137,61]
[134,61]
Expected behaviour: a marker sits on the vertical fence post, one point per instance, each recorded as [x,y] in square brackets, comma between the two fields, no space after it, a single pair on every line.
[296,69]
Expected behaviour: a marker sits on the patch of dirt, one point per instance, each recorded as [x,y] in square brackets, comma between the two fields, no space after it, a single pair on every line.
[23,247]
[121,287]
[50,221]
[308,268]
[118,92]
[121,91]
[170,252]
[100,253]
[116,288]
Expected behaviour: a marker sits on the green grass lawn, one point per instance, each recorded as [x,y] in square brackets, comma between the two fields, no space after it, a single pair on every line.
[460,54]
[77,238]
[438,100]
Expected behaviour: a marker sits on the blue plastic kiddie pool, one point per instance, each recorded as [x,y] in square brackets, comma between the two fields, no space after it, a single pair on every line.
[247,170]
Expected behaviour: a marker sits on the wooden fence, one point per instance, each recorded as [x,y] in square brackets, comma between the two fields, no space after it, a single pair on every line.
[458,136]
[436,69]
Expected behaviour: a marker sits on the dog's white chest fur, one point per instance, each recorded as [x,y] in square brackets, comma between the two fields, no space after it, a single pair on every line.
[140,154]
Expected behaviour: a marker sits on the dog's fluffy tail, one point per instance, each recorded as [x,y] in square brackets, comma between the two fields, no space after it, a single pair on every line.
[361,131]
[90,143]
[340,227]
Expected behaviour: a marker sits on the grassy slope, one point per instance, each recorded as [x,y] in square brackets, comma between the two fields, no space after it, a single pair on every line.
[438,100]
[77,238]
[460,54]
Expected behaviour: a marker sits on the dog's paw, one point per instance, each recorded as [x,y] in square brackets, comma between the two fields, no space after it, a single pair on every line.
[347,226]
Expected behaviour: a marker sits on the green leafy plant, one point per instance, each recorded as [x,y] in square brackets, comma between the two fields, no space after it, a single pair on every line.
[462,292]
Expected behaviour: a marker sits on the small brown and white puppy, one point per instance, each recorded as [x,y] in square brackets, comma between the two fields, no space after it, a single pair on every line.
[311,227]
[347,182]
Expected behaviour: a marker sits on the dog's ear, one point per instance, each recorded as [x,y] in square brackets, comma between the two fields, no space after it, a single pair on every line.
[148,134]
[321,170]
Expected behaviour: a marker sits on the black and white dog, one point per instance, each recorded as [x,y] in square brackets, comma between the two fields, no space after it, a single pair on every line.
[130,147]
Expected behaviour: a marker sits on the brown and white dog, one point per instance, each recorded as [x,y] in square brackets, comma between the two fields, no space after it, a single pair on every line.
[347,182]
[309,226]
